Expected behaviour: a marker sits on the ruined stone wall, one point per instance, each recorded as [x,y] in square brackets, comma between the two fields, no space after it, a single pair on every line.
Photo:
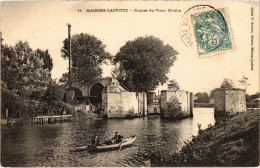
[191,104]
[163,100]
[104,82]
[229,101]
[113,105]
[116,101]
[219,101]
[184,99]
[123,104]
[142,103]
[85,90]
[235,101]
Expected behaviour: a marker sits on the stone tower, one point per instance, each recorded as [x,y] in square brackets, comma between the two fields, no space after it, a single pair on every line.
[229,101]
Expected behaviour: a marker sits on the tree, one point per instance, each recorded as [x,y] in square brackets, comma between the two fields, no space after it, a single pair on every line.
[88,53]
[52,95]
[22,69]
[202,97]
[64,77]
[227,83]
[173,85]
[212,94]
[47,60]
[143,63]
[244,82]
[24,78]
[8,98]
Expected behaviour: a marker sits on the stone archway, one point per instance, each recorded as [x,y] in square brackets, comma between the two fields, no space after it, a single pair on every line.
[72,95]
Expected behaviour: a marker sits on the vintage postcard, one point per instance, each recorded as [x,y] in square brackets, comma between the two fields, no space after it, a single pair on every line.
[129,83]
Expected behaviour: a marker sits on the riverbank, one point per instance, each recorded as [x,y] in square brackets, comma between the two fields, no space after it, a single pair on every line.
[233,142]
[203,105]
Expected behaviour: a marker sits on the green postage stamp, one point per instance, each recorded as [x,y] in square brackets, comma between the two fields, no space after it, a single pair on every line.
[212,32]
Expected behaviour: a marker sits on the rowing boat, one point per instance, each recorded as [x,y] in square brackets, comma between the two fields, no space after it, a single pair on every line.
[103,147]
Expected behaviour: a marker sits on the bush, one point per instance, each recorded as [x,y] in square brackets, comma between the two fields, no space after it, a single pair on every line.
[173,107]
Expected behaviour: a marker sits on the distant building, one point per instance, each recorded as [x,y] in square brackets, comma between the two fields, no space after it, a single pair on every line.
[229,101]
[153,104]
[185,99]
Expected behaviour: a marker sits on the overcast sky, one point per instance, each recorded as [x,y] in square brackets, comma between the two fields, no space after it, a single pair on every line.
[43,25]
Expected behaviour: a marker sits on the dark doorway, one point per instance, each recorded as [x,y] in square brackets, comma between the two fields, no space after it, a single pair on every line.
[96,94]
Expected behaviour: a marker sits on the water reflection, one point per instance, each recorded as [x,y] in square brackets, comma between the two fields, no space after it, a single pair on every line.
[50,145]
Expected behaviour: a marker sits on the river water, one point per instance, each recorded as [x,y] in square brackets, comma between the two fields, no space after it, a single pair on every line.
[53,144]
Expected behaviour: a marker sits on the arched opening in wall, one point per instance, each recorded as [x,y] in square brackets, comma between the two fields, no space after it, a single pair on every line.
[77,95]
[96,97]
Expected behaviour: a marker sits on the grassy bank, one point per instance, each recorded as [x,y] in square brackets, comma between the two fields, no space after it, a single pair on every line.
[232,142]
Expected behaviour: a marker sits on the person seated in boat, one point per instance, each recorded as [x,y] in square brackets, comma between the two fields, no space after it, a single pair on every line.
[117,138]
[95,141]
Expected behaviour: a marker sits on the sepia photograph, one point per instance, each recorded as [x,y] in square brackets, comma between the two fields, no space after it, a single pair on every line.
[129,83]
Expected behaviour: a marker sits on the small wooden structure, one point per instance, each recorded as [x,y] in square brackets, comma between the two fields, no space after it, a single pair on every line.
[51,119]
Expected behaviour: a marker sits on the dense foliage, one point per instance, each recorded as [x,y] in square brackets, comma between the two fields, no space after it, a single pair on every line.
[88,54]
[47,60]
[201,97]
[25,77]
[227,83]
[142,64]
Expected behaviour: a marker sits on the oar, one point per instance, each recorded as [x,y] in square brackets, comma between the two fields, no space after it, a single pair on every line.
[121,145]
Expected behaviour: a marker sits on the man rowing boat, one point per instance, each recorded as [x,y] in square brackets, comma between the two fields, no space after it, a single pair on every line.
[117,138]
